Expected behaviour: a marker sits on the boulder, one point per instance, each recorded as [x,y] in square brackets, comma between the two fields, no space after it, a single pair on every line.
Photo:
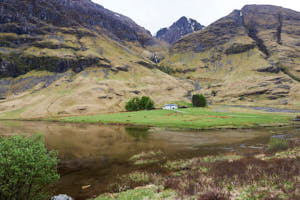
[297,118]
[62,197]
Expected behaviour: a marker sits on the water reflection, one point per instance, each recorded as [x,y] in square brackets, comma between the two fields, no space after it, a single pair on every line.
[138,132]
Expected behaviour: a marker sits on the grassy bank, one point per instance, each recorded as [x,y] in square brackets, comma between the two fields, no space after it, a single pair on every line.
[197,118]
[264,175]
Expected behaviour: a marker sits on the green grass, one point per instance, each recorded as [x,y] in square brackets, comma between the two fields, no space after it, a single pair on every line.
[276,144]
[15,114]
[196,118]
[148,192]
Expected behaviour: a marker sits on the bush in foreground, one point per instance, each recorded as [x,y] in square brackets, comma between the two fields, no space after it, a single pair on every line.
[26,168]
[135,104]
[199,100]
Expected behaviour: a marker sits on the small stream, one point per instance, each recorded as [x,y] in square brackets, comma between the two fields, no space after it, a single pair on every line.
[91,154]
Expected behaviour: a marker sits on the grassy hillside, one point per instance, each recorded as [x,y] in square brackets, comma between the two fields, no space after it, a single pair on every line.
[77,64]
[254,60]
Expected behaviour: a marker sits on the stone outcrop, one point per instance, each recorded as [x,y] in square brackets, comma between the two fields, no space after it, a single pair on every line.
[269,69]
[61,35]
[42,16]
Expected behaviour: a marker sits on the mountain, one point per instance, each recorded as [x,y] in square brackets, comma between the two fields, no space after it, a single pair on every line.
[251,57]
[179,29]
[74,57]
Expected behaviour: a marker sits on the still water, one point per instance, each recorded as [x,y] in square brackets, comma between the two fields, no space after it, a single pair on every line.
[91,154]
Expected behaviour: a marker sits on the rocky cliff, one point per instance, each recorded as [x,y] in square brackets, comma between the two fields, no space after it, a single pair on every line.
[28,26]
[179,29]
[251,56]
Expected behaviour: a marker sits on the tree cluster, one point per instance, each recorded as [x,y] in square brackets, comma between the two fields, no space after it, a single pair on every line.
[199,100]
[144,103]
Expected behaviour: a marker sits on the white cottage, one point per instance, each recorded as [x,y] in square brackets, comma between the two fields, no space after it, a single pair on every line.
[170,107]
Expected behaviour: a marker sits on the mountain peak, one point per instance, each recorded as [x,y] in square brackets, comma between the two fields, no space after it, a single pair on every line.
[180,28]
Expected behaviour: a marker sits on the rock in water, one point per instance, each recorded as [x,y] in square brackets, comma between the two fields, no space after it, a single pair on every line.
[62,197]
[297,118]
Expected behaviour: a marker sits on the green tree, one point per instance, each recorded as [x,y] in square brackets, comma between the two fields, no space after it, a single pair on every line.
[146,103]
[149,105]
[26,168]
[133,104]
[199,100]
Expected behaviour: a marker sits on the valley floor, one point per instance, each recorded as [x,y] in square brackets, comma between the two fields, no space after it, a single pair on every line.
[192,118]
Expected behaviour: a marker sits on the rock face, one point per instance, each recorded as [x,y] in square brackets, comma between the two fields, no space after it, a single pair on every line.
[37,16]
[179,29]
[58,29]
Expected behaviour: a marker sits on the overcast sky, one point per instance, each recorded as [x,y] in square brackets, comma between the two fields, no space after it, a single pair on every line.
[156,14]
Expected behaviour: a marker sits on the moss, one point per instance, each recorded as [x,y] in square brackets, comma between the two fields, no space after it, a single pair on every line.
[52,45]
[212,159]
[146,158]
[139,177]
[178,164]
[144,155]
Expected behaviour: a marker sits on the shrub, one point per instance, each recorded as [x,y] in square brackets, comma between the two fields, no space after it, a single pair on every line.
[132,104]
[199,100]
[213,93]
[145,103]
[276,144]
[26,168]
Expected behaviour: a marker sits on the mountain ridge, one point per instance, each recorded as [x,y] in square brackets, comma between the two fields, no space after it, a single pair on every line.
[178,29]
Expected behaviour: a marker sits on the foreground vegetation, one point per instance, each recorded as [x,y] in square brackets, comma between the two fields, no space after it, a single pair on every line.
[27,168]
[197,118]
[265,175]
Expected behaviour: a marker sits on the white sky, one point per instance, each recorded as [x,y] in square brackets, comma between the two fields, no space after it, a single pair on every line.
[156,14]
